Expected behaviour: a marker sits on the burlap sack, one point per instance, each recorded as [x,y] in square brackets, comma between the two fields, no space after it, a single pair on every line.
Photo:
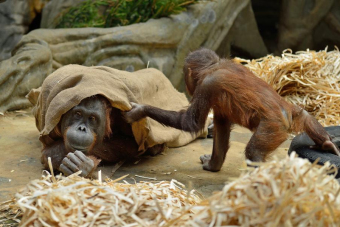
[67,86]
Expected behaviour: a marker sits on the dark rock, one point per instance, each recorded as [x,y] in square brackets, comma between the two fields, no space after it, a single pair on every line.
[298,22]
[15,18]
[158,43]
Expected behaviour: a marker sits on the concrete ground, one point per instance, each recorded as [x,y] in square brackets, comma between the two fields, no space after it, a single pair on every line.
[20,159]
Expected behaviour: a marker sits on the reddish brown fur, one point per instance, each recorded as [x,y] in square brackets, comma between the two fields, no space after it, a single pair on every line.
[245,105]
[245,99]
[116,145]
[236,96]
[56,131]
[108,109]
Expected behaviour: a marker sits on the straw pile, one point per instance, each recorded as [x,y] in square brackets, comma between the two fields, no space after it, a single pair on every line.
[75,201]
[290,192]
[309,79]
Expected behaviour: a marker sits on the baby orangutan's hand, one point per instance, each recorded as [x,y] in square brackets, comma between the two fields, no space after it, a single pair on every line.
[76,161]
[135,114]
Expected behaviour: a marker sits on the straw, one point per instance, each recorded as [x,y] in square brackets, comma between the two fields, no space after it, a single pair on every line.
[290,192]
[307,78]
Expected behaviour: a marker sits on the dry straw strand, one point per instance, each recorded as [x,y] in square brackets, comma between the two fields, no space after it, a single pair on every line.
[288,192]
[309,79]
[76,201]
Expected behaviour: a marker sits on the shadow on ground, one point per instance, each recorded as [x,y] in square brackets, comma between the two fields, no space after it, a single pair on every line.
[20,159]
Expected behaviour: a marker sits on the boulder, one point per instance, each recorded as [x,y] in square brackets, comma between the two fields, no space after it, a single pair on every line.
[15,18]
[328,31]
[243,37]
[158,43]
[308,24]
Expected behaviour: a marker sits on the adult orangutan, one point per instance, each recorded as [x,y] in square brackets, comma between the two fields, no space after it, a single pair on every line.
[90,132]
[236,96]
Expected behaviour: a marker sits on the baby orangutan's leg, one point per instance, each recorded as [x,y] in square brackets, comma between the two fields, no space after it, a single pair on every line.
[267,137]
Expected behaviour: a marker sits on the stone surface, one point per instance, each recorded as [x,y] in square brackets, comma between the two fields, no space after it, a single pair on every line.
[244,37]
[21,150]
[298,24]
[300,19]
[31,63]
[163,44]
[328,31]
[15,18]
[14,21]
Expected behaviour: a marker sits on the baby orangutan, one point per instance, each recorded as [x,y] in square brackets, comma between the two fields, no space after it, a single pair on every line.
[236,96]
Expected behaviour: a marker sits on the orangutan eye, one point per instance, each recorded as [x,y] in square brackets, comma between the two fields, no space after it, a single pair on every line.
[78,113]
[92,118]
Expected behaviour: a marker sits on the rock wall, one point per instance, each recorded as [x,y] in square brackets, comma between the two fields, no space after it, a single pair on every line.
[301,20]
[162,43]
[15,18]
[225,26]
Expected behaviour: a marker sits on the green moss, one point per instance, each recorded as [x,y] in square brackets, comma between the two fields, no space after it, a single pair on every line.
[111,13]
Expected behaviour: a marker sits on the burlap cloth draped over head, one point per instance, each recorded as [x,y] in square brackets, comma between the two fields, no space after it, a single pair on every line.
[67,86]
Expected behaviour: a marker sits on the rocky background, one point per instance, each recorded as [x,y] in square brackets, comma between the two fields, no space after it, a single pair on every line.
[30,47]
